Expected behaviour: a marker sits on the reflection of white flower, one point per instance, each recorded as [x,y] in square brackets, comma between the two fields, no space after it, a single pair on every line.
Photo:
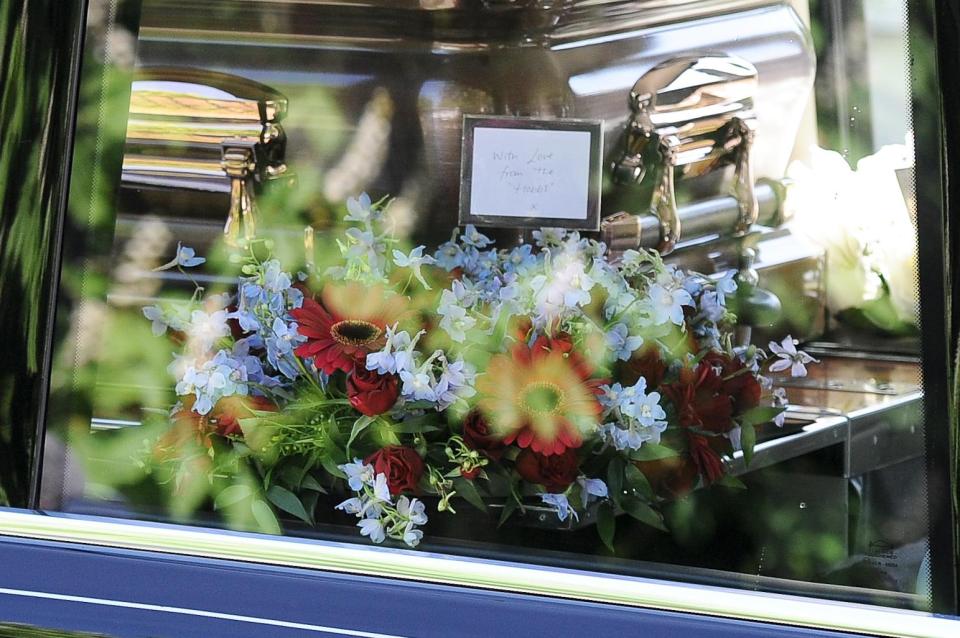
[790,357]
[861,220]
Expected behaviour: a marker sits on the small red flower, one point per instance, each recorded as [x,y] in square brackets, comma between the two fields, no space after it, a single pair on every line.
[479,436]
[372,393]
[402,466]
[555,472]
[708,462]
[701,400]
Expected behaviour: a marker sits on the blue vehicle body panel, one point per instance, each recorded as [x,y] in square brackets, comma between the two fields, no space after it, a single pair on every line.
[133,594]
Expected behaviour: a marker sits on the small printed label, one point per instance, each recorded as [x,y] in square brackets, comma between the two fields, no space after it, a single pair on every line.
[520,172]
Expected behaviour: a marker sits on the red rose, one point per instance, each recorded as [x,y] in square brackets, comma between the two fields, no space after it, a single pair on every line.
[700,400]
[555,472]
[402,466]
[372,393]
[478,436]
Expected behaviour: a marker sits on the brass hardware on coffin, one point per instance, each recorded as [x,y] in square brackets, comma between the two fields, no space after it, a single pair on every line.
[206,131]
[691,115]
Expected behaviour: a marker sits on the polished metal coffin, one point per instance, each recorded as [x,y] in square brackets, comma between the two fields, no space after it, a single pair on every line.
[377,93]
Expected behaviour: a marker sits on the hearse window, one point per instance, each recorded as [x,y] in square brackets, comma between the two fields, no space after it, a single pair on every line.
[624,286]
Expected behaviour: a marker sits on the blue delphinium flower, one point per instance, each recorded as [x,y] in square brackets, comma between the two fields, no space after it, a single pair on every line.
[590,489]
[280,343]
[667,303]
[161,319]
[637,416]
[561,505]
[455,320]
[207,327]
[621,344]
[473,237]
[359,209]
[185,258]
[397,354]
[379,516]
[414,261]
[726,285]
[213,379]
[455,382]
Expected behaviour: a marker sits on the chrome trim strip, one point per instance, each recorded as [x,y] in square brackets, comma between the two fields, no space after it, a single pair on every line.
[480,573]
[106,602]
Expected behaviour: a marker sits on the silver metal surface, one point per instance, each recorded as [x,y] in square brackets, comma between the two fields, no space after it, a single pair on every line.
[317,55]
[694,113]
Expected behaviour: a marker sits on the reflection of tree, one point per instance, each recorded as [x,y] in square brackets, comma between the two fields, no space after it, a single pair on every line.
[38,45]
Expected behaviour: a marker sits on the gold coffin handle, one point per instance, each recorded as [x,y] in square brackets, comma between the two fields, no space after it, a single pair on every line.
[196,129]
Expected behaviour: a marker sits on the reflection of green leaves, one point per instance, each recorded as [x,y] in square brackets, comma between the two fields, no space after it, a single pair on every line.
[748,440]
[288,502]
[652,452]
[643,513]
[759,415]
[638,482]
[264,517]
[468,491]
[607,525]
[615,479]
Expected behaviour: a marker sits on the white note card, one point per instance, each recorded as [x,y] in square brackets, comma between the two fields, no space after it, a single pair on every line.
[531,173]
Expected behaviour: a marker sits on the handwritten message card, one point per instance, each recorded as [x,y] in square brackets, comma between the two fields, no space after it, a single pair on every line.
[520,172]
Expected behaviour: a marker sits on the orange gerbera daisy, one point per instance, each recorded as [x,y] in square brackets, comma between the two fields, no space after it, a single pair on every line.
[540,397]
[348,322]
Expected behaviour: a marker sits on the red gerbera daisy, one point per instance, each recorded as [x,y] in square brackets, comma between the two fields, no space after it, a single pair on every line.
[347,323]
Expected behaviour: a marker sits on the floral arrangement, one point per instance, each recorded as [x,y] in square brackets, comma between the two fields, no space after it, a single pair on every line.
[867,228]
[546,374]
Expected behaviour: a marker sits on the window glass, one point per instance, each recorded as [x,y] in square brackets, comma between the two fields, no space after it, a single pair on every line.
[542,281]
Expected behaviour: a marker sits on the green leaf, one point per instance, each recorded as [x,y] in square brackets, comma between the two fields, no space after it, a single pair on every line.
[310,483]
[359,426]
[509,507]
[310,501]
[748,439]
[638,481]
[731,481]
[288,502]
[231,496]
[606,525]
[263,515]
[652,452]
[615,479]
[468,491]
[331,467]
[644,513]
[759,415]
[423,423]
